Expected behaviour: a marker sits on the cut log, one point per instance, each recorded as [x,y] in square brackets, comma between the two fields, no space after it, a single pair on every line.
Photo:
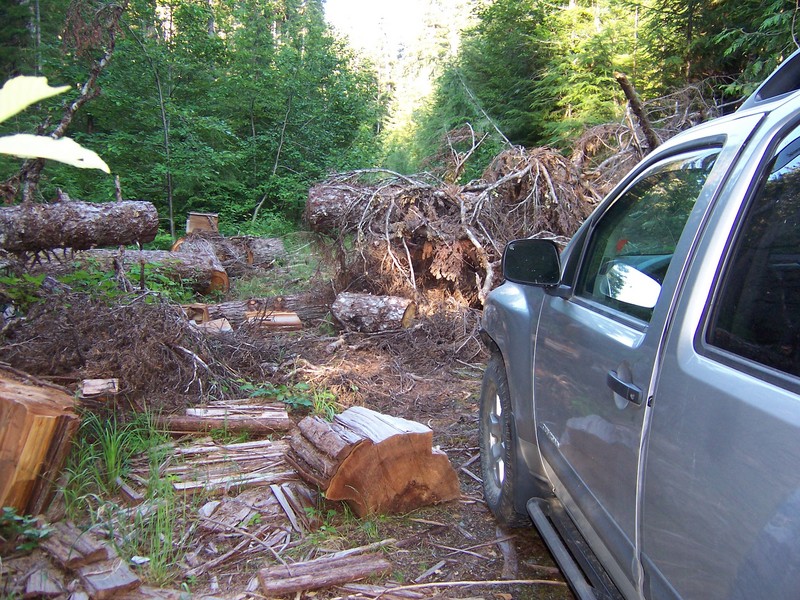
[203,273]
[306,306]
[375,462]
[237,254]
[73,548]
[44,583]
[373,314]
[276,321]
[78,225]
[321,573]
[38,424]
[256,420]
[329,205]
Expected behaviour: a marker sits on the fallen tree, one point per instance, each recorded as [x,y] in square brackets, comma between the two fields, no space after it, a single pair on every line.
[237,254]
[30,227]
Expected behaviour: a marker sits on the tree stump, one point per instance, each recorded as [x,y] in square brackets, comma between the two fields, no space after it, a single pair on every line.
[375,462]
[373,314]
[38,424]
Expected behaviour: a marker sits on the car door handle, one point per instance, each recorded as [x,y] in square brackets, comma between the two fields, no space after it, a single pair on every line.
[627,390]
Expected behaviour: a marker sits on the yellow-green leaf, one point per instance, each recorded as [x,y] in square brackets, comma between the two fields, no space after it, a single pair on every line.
[64,150]
[20,92]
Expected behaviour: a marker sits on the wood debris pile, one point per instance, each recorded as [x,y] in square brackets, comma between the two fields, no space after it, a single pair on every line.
[412,235]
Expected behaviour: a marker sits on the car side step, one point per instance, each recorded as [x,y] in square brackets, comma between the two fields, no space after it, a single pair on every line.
[583,571]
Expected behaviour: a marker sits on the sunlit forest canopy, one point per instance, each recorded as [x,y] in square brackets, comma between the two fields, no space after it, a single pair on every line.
[238,106]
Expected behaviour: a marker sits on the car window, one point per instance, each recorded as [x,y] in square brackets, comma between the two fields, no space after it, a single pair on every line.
[758,312]
[632,245]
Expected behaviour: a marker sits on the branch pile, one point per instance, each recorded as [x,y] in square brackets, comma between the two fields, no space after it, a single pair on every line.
[413,235]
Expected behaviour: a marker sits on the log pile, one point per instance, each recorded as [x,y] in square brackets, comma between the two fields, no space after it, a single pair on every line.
[238,254]
[38,424]
[375,462]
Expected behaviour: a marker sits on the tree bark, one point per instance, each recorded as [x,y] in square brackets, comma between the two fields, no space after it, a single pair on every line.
[636,106]
[78,225]
[307,307]
[329,205]
[373,314]
[237,254]
[375,462]
[283,580]
[201,272]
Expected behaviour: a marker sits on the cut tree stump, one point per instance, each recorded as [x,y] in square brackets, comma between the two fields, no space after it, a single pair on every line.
[38,424]
[375,462]
[324,572]
[373,314]
[78,225]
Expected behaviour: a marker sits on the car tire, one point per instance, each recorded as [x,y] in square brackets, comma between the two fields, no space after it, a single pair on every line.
[497,433]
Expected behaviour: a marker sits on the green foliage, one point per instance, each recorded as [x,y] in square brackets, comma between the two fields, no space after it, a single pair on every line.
[22,291]
[300,397]
[22,533]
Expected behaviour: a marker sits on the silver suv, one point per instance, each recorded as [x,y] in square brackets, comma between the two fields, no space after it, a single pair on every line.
[642,400]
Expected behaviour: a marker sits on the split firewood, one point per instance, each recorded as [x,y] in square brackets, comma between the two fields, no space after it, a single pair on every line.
[38,426]
[108,578]
[375,462]
[99,388]
[372,314]
[44,583]
[196,221]
[33,227]
[73,548]
[324,572]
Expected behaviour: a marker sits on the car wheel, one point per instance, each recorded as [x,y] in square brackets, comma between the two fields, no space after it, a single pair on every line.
[497,433]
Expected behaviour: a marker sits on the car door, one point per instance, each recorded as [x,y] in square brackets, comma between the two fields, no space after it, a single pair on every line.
[595,350]
[721,498]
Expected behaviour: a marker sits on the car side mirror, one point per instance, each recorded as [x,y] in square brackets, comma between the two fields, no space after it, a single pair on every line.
[532,262]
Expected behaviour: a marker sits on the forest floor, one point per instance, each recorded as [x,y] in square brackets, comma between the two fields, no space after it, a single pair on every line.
[429,373]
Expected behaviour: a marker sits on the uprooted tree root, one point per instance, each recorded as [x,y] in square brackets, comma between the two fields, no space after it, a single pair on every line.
[409,235]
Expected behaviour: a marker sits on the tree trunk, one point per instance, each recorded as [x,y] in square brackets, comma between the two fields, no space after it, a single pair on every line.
[237,254]
[203,273]
[636,106]
[78,225]
[307,307]
[375,462]
[329,207]
[373,314]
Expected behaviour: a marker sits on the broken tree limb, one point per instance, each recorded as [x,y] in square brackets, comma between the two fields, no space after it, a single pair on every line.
[636,106]
[373,314]
[320,573]
[78,225]
[378,464]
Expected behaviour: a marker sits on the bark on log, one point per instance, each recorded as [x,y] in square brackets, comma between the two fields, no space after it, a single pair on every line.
[328,205]
[237,254]
[375,462]
[37,428]
[259,423]
[373,314]
[308,307]
[73,548]
[202,272]
[79,225]
[282,580]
